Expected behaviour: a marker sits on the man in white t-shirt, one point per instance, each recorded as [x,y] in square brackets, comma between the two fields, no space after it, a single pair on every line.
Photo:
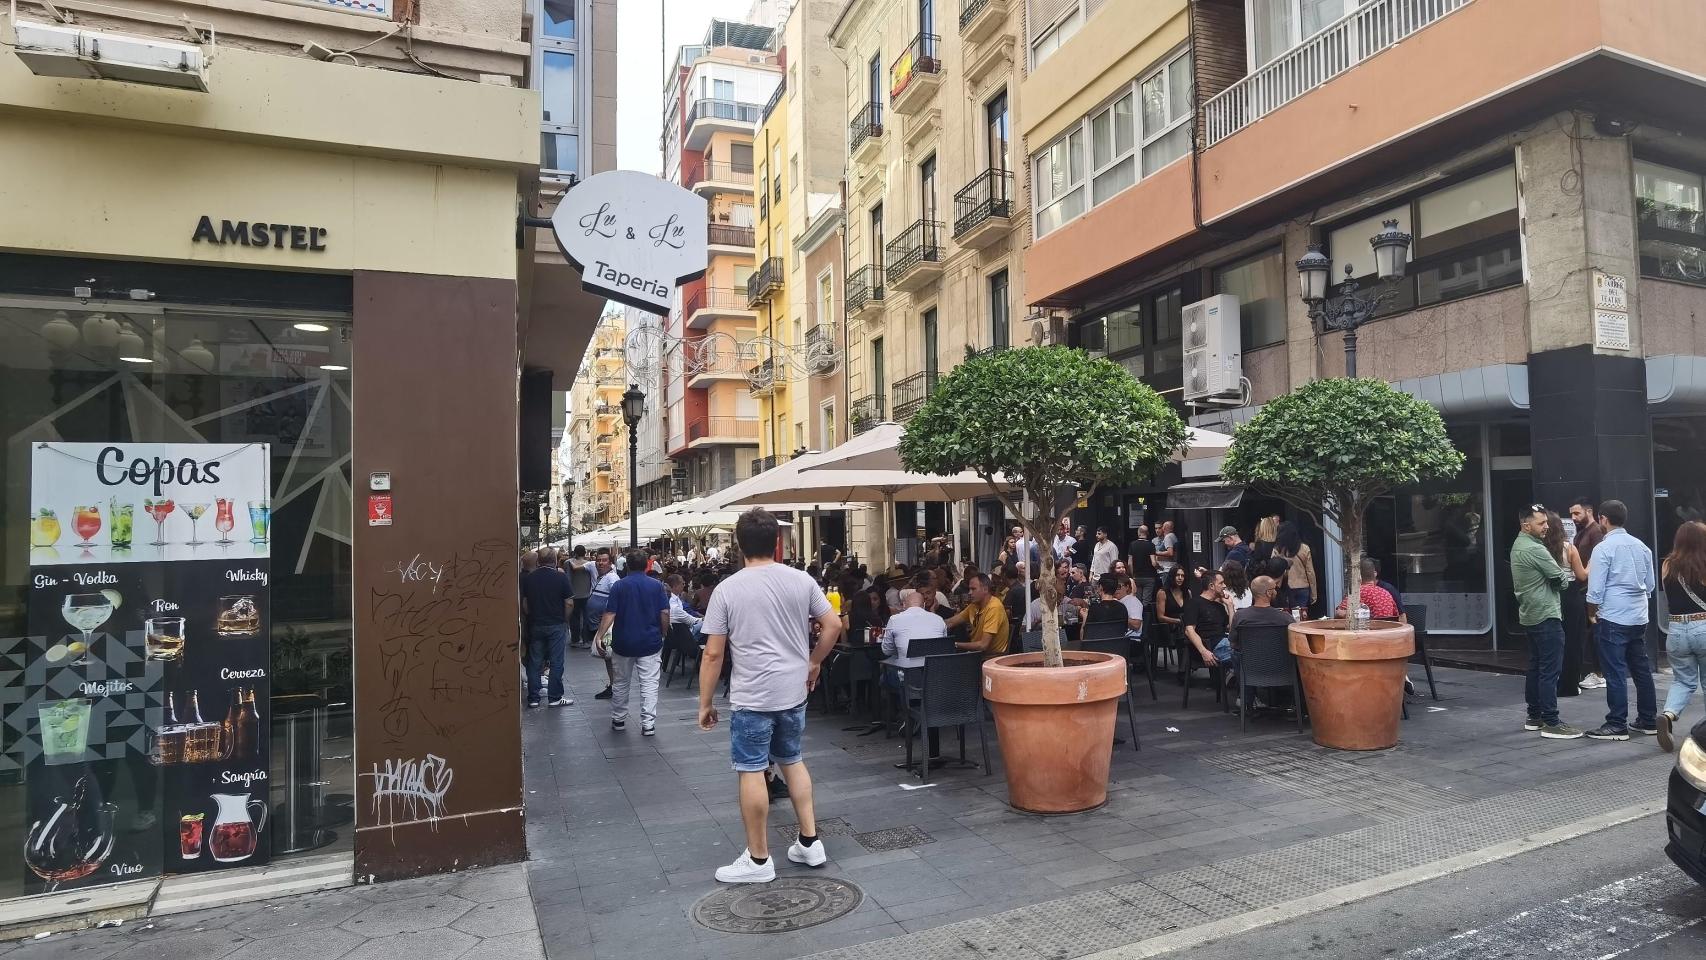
[1166,550]
[1133,610]
[1103,554]
[1064,541]
[760,619]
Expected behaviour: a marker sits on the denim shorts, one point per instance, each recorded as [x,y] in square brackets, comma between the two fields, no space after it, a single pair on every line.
[756,737]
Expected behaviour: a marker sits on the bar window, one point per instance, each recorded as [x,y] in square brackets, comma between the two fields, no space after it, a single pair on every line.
[1668,217]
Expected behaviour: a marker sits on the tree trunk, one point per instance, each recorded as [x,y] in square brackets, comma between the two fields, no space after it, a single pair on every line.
[1351,526]
[1051,608]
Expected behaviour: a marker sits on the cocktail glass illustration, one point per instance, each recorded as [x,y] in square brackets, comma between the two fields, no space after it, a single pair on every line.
[194,511]
[86,612]
[44,528]
[163,638]
[87,522]
[222,521]
[260,519]
[190,829]
[64,730]
[122,519]
[159,508]
[238,617]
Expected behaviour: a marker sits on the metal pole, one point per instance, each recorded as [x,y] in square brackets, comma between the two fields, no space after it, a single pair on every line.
[1351,351]
[633,511]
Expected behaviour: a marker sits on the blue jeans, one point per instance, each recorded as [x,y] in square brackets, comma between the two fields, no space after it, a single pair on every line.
[757,737]
[1686,647]
[545,642]
[1622,655]
[1545,660]
[1225,655]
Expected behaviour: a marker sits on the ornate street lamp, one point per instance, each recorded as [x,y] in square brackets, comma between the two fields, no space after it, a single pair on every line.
[633,408]
[1391,255]
[568,486]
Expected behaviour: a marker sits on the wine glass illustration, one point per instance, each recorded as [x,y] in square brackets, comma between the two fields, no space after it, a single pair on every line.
[86,612]
[87,522]
[159,508]
[260,518]
[194,511]
[222,521]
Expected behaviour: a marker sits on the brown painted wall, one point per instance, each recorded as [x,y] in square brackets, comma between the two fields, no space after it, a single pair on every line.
[438,738]
[1149,214]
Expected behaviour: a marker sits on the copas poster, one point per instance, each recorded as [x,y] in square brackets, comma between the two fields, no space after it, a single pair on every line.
[145,706]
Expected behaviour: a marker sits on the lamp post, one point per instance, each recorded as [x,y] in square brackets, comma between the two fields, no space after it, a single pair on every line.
[633,408]
[1391,255]
[544,519]
[568,486]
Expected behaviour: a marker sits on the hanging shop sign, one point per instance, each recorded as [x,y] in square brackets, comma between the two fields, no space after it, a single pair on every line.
[144,704]
[634,237]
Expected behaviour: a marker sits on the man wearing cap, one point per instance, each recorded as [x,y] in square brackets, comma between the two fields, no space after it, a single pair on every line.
[1237,551]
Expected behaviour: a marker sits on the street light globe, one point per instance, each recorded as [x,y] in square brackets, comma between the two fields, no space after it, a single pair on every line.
[1391,251]
[1313,269]
[633,405]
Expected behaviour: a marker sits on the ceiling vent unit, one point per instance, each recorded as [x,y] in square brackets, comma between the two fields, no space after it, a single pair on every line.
[55,50]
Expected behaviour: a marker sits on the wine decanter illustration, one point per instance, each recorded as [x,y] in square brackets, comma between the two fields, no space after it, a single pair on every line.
[236,829]
[74,840]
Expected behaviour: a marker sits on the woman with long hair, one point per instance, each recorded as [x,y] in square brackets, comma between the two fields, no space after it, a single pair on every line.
[1237,584]
[1574,603]
[1170,599]
[1300,575]
[1684,576]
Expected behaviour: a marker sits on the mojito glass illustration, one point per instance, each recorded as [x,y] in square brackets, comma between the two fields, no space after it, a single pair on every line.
[194,511]
[87,522]
[86,612]
[260,519]
[121,517]
[159,508]
[64,730]
[223,521]
[44,528]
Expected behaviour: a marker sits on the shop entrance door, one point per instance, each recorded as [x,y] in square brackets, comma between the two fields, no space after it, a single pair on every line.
[1512,490]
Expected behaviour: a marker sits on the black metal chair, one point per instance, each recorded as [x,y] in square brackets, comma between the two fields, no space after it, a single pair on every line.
[1190,663]
[1120,646]
[680,647]
[950,694]
[1031,641]
[1265,660]
[1417,614]
[930,647]
[1104,638]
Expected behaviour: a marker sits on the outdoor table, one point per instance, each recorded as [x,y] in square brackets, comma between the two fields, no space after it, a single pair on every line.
[850,649]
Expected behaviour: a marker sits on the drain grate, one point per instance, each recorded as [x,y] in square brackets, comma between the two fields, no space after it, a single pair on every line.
[832,827]
[784,904]
[1312,772]
[893,838]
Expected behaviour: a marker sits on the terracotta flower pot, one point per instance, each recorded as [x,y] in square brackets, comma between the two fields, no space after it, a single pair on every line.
[1056,727]
[1354,680]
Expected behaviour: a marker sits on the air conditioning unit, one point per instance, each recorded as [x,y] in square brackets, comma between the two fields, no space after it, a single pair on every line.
[1213,360]
[54,50]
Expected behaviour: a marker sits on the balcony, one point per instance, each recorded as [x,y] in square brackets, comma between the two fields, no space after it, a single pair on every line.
[761,464]
[911,392]
[864,290]
[714,303]
[766,280]
[981,19]
[820,350]
[864,413]
[711,431]
[608,410]
[865,133]
[610,355]
[707,116]
[733,239]
[604,466]
[916,74]
[983,209]
[611,381]
[718,177]
[711,361]
[761,378]
[1371,28]
[775,98]
[915,257]
[990,350]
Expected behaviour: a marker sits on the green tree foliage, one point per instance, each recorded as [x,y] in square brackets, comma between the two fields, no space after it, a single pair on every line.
[1330,447]
[1043,419]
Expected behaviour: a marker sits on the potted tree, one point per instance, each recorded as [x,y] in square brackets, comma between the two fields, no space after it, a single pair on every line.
[1329,449]
[1046,419]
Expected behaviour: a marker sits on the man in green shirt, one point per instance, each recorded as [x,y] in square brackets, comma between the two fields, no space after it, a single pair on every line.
[1539,580]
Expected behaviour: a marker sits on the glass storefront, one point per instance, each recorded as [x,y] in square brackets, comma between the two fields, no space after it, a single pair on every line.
[119,372]
[1431,542]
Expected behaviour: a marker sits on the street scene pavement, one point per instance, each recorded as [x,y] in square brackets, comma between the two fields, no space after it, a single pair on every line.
[1471,838]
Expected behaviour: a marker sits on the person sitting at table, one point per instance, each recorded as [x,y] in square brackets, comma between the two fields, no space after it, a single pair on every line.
[985,617]
[1107,607]
[912,623]
[924,583]
[865,609]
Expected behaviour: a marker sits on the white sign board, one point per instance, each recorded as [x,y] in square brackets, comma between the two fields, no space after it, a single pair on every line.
[1610,330]
[634,237]
[1610,292]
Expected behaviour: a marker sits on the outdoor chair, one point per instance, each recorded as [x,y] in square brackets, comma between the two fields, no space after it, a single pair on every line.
[1103,638]
[679,648]
[1031,641]
[950,694]
[1121,646]
[1265,660]
[1417,614]
[930,647]
[1190,663]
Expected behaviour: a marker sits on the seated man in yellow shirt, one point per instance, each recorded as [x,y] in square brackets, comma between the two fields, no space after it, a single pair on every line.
[985,617]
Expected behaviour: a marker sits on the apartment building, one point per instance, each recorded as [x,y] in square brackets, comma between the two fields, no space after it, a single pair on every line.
[602,465]
[936,217]
[653,471]
[1546,160]
[208,231]
[712,111]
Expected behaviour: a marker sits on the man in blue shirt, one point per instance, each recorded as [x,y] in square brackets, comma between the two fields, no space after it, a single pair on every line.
[1620,579]
[548,601]
[633,627]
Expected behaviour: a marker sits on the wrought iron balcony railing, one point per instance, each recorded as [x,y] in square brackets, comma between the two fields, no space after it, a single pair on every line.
[864,287]
[729,235]
[911,392]
[764,281]
[921,56]
[919,243]
[867,124]
[864,413]
[989,195]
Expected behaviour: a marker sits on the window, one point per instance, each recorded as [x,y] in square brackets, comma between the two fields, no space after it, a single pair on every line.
[998,128]
[722,90]
[1259,284]
[824,307]
[874,82]
[877,238]
[1144,128]
[1668,205]
[1057,33]
[559,18]
[878,377]
[1000,311]
[826,414]
[927,188]
[556,47]
[558,92]
[1275,26]
[1465,242]
[1142,335]
[930,356]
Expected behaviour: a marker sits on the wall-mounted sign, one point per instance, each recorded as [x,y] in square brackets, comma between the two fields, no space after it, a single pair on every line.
[1611,330]
[1610,292]
[379,510]
[256,233]
[633,236]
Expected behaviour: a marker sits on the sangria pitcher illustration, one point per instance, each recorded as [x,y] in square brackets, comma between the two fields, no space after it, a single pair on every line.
[237,827]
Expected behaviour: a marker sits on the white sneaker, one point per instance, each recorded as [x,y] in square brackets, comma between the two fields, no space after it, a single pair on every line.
[1592,681]
[743,870]
[563,701]
[648,730]
[812,856]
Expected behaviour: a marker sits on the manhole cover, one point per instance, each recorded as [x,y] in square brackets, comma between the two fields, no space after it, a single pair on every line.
[784,904]
[893,838]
